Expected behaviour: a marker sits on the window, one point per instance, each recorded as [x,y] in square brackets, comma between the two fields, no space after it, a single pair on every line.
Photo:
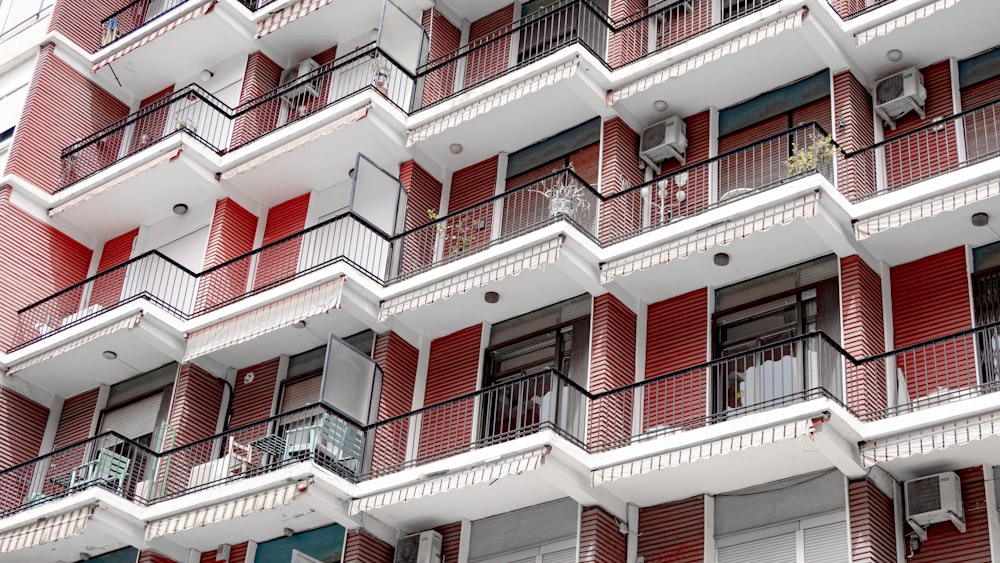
[760,316]
[304,384]
[521,362]
[986,303]
[137,408]
[803,541]
[545,533]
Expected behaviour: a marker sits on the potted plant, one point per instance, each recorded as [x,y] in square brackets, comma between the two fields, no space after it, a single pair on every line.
[565,195]
[458,237]
[817,150]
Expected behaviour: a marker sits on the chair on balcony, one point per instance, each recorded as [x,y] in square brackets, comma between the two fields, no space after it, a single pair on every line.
[109,468]
[328,436]
[240,456]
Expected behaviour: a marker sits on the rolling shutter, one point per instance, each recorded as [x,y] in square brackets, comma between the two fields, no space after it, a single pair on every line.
[567,555]
[776,549]
[134,419]
[301,393]
[826,543]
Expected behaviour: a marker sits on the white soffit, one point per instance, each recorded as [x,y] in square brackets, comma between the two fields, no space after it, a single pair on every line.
[529,259]
[505,96]
[128,323]
[263,320]
[906,19]
[923,209]
[356,115]
[706,450]
[486,473]
[752,37]
[171,155]
[236,508]
[931,439]
[45,530]
[196,13]
[720,234]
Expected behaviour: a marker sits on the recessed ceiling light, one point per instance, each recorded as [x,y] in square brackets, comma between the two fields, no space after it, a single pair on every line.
[980,219]
[721,259]
[894,55]
[109,354]
[660,105]
[180,209]
[456,148]
[491,297]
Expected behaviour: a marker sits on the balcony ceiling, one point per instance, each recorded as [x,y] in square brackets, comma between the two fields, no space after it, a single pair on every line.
[965,28]
[731,79]
[177,56]
[319,163]
[139,199]
[517,123]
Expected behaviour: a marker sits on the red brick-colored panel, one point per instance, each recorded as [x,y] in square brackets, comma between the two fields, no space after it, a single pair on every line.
[600,540]
[252,401]
[453,371]
[398,360]
[489,46]
[62,107]
[280,262]
[846,8]
[153,557]
[631,42]
[981,125]
[22,425]
[231,235]
[873,523]
[261,76]
[423,193]
[237,554]
[612,365]
[853,106]
[107,289]
[444,40]
[940,279]
[451,536]
[363,548]
[38,261]
[76,419]
[673,532]
[194,414]
[945,543]
[470,186]
[864,335]
[152,126]
[982,93]
[928,152]
[676,339]
[620,170]
[80,20]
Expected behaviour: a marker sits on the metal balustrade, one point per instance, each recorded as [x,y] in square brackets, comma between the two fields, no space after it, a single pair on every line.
[185,294]
[199,114]
[133,16]
[528,404]
[769,377]
[812,366]
[560,196]
[849,9]
[928,151]
[691,190]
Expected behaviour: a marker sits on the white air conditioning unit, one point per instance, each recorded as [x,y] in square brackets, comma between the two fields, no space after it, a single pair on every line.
[932,499]
[898,94]
[424,547]
[663,140]
[294,96]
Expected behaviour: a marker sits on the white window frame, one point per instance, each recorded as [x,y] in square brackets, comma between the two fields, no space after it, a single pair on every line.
[796,526]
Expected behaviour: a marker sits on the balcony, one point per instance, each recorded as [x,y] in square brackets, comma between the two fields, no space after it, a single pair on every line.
[133,16]
[222,129]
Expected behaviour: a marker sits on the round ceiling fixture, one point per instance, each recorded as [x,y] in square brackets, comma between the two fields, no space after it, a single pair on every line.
[180,209]
[894,55]
[980,219]
[660,105]
[721,259]
[456,148]
[109,354]
[299,324]
[491,297]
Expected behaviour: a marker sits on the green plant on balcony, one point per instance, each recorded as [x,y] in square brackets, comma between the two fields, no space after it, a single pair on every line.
[457,232]
[816,151]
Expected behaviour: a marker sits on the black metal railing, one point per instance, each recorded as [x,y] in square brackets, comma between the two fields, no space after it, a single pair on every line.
[691,190]
[933,149]
[185,294]
[133,16]
[197,113]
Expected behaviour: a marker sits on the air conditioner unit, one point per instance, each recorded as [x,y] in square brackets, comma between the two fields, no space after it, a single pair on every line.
[663,140]
[424,547]
[303,88]
[932,499]
[898,94]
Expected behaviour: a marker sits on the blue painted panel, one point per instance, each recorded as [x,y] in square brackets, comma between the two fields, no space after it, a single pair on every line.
[325,544]
[775,102]
[979,68]
[124,555]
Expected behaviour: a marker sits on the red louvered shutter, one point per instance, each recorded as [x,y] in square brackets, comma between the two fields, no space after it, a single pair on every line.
[453,371]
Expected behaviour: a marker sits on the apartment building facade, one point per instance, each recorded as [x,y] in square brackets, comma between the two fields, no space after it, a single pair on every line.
[487,282]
